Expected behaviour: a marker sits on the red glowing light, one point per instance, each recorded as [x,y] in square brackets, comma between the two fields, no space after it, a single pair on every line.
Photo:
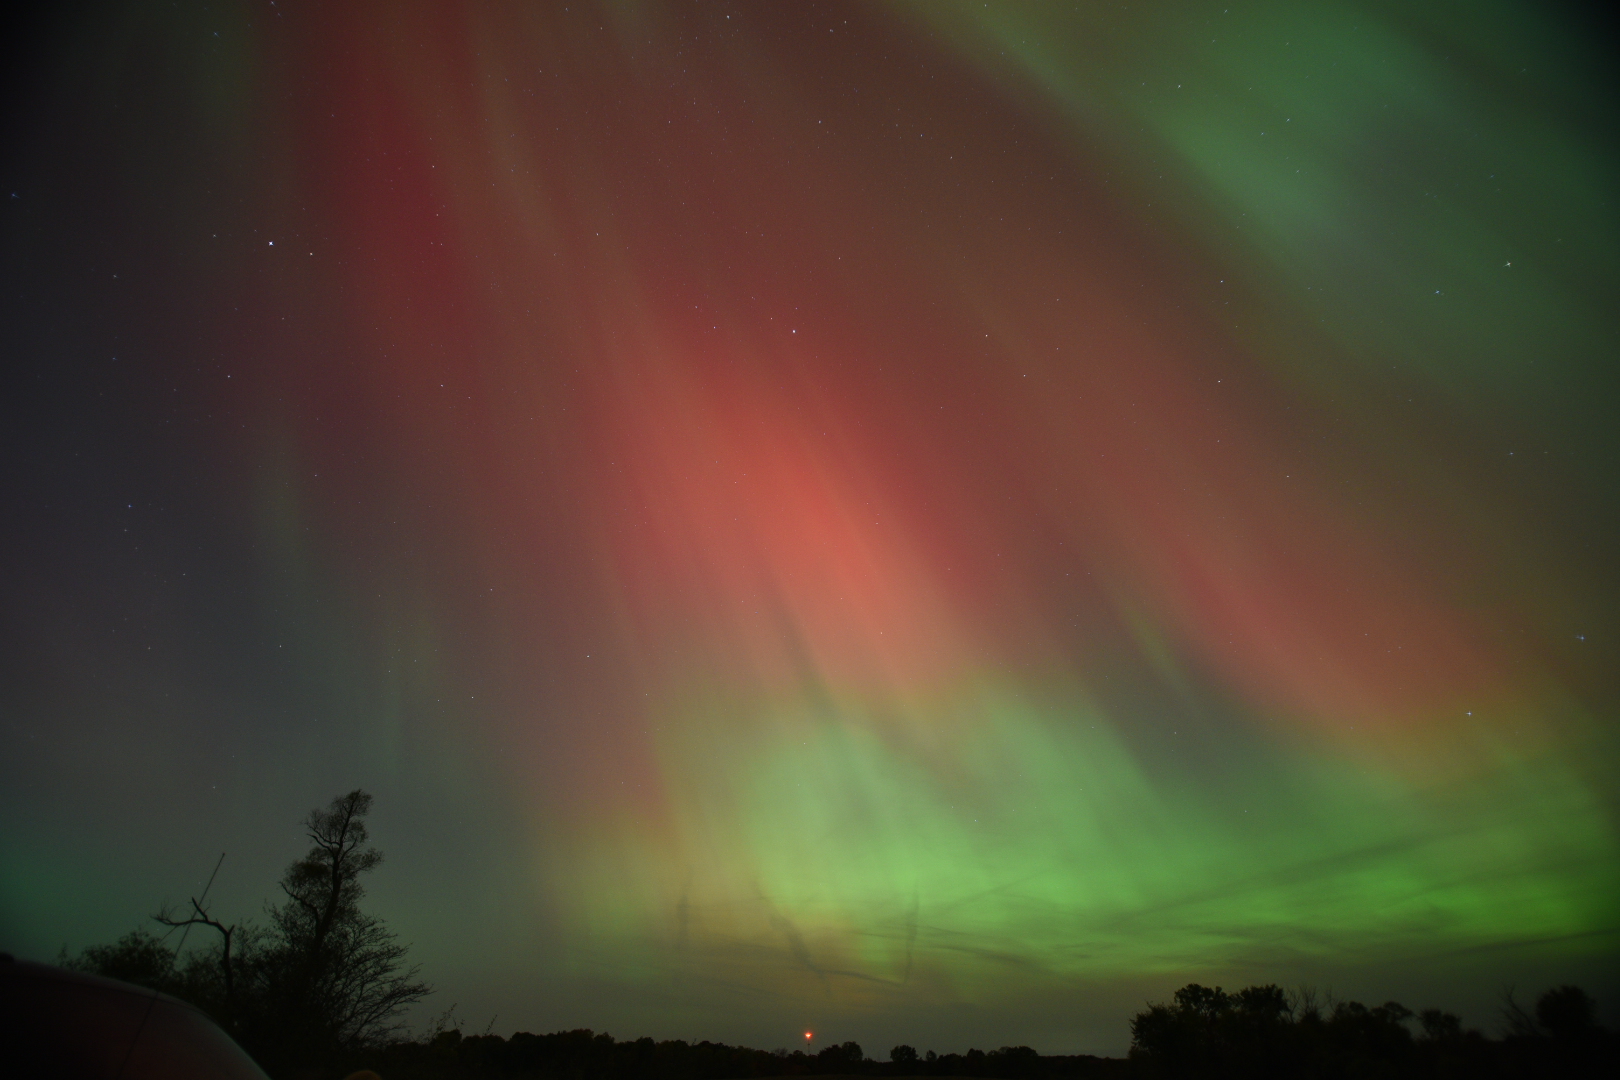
[807,1035]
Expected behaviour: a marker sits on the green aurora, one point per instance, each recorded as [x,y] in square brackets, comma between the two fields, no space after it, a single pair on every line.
[926,522]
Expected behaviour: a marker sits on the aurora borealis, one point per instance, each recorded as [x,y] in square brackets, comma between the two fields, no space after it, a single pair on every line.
[926,522]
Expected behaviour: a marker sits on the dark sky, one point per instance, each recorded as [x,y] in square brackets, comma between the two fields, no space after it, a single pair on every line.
[926,522]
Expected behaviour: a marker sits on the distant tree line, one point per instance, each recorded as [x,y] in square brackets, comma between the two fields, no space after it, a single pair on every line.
[1262,1031]
[321,984]
[1204,1034]
[587,1055]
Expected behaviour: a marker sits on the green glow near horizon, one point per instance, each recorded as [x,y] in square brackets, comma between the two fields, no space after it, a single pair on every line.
[1030,842]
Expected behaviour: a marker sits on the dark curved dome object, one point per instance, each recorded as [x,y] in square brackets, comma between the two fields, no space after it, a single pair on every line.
[64,1024]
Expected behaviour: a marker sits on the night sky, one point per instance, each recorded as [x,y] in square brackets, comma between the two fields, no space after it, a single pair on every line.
[923,522]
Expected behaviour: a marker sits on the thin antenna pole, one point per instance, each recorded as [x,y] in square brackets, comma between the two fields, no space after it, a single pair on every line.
[208,886]
[151,1002]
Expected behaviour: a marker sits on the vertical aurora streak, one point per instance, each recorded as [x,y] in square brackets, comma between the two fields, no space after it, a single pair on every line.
[900,511]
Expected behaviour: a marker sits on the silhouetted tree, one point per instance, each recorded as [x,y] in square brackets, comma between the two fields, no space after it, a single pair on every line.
[333,978]
[1260,1031]
[841,1056]
[199,917]
[1440,1026]
[1567,1013]
[1208,1032]
[1561,1037]
[1519,1022]
[322,981]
